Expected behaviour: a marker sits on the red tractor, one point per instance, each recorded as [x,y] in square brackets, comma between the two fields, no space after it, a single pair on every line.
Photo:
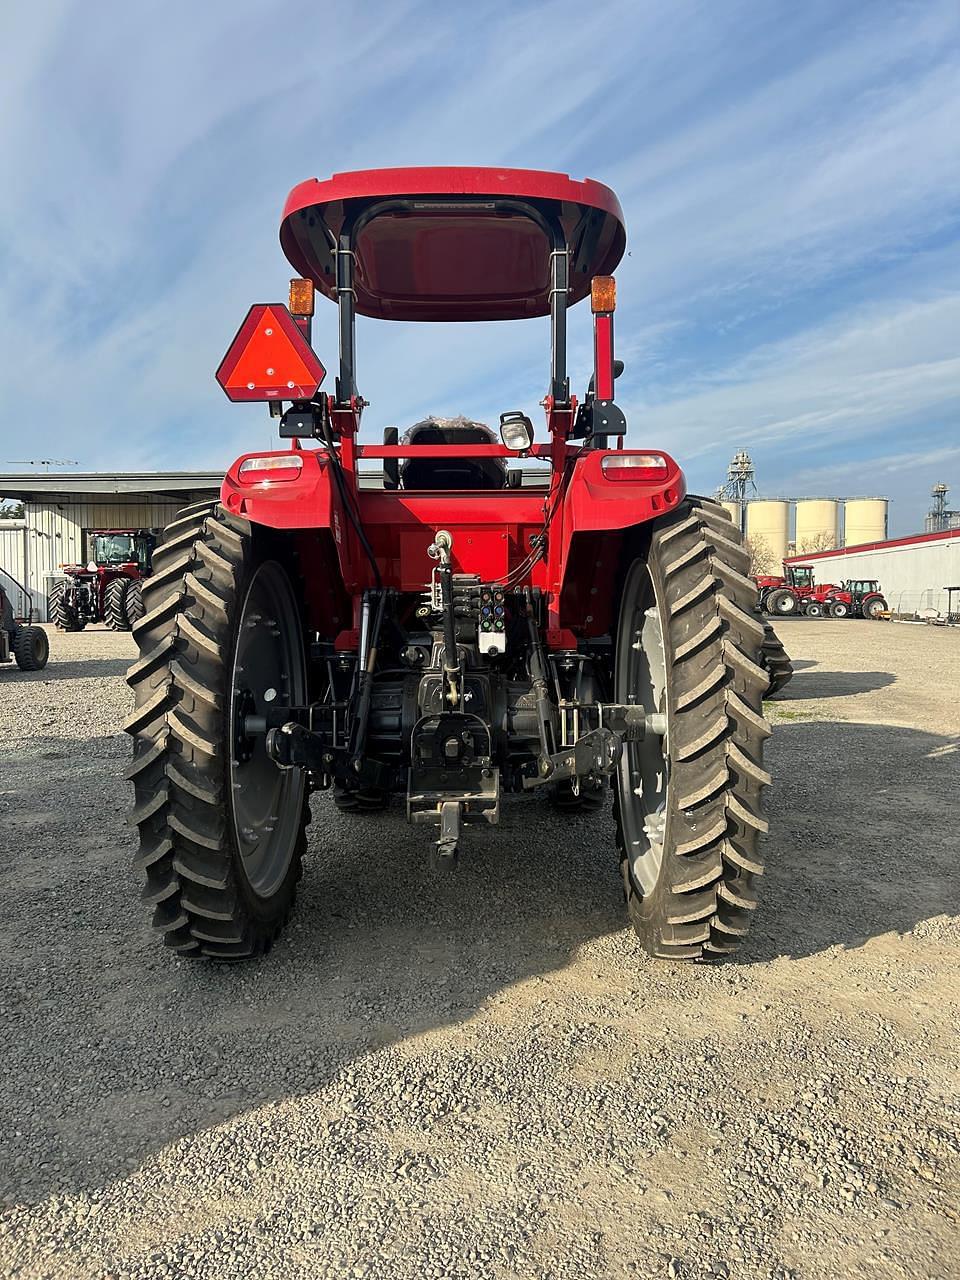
[813,602]
[857,597]
[785,594]
[447,635]
[109,587]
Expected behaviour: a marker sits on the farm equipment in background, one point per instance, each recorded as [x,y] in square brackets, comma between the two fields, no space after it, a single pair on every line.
[860,597]
[785,594]
[109,587]
[447,636]
[19,640]
[814,603]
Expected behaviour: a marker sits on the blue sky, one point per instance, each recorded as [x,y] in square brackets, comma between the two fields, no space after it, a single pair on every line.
[790,175]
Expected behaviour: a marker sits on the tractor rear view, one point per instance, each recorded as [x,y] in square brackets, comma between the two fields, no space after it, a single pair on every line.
[109,588]
[449,635]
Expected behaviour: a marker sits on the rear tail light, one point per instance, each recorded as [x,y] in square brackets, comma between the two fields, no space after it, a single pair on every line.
[634,466]
[273,467]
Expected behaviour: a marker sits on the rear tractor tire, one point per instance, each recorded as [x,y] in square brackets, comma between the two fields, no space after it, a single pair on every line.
[221,828]
[114,597]
[775,661]
[58,611]
[871,608]
[688,804]
[31,648]
[133,603]
[781,602]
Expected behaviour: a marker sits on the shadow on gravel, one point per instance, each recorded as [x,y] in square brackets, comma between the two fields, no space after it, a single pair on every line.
[115,1047]
[812,681]
[860,843]
[86,669]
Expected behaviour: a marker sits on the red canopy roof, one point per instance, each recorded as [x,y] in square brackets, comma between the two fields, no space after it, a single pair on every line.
[450,243]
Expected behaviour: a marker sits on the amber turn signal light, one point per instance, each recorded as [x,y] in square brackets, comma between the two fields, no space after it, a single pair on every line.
[301,297]
[603,294]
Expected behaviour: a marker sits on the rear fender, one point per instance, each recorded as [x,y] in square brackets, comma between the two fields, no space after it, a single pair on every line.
[307,500]
[304,500]
[597,516]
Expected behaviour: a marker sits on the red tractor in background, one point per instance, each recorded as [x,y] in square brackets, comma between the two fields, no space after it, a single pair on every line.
[787,593]
[855,597]
[447,636]
[108,588]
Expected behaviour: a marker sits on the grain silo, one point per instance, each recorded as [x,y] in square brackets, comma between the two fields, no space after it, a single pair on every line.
[767,521]
[864,520]
[734,511]
[816,524]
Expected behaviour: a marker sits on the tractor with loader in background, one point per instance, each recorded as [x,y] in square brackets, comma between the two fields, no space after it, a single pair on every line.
[109,588]
[448,636]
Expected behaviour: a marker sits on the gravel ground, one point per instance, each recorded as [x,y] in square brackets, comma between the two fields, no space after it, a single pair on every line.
[481,1075]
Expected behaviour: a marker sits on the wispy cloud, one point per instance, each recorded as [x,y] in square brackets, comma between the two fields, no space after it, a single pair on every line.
[788,172]
[874,366]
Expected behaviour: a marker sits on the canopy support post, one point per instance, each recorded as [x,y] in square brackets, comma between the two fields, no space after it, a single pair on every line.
[346,302]
[559,285]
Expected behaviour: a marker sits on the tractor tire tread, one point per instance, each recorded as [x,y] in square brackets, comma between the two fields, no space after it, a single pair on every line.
[202,904]
[133,607]
[114,600]
[58,612]
[775,660]
[704,899]
[31,648]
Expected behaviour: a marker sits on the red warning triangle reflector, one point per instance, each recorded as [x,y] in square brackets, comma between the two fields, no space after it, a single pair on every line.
[270,359]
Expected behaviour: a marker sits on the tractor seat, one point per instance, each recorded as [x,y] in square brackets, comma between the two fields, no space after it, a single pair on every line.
[455,473]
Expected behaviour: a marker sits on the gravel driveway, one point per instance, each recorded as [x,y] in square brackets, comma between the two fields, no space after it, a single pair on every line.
[481,1075]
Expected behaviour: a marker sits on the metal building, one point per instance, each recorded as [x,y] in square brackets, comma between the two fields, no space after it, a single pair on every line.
[61,510]
[913,572]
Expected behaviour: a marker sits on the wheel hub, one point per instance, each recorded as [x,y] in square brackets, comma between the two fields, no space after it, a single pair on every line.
[644,766]
[268,669]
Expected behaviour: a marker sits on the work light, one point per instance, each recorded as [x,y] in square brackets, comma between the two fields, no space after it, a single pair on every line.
[516,431]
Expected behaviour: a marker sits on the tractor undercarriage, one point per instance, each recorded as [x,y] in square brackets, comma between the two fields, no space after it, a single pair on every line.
[451,698]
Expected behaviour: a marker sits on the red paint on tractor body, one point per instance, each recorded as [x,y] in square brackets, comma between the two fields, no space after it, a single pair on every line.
[582,518]
[428,256]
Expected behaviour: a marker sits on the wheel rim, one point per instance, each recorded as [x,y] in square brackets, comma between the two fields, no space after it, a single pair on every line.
[269,671]
[644,770]
[787,604]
